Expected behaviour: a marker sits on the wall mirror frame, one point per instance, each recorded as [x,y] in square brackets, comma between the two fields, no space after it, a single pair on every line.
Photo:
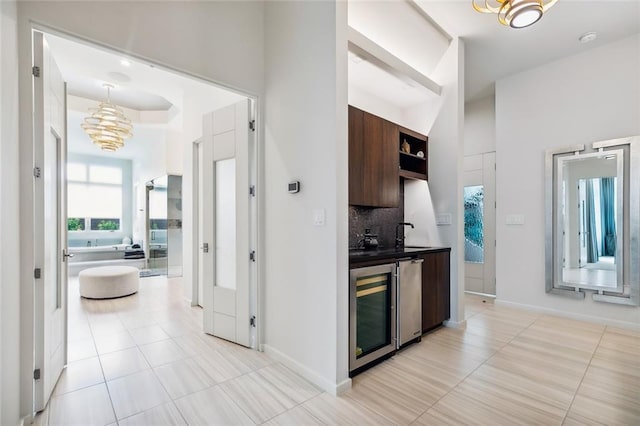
[592,221]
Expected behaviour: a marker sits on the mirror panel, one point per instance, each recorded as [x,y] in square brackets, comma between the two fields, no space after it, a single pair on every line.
[591,223]
[592,232]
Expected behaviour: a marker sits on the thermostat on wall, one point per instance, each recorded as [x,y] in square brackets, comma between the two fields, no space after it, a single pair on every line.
[294,187]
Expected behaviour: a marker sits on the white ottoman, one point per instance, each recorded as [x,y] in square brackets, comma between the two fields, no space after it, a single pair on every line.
[105,282]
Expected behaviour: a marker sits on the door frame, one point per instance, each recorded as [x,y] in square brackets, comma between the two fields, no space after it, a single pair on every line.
[27,148]
[195,220]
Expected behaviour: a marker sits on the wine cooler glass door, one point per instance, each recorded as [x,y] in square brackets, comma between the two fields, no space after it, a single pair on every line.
[373,294]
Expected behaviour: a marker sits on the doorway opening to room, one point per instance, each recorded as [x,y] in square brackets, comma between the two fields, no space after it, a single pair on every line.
[108,212]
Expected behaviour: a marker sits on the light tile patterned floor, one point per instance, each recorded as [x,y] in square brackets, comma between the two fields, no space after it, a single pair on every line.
[143,360]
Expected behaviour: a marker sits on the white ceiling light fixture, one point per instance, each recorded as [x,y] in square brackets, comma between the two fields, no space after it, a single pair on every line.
[125,63]
[515,13]
[107,126]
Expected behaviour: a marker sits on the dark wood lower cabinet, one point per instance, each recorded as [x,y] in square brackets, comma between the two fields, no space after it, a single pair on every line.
[436,293]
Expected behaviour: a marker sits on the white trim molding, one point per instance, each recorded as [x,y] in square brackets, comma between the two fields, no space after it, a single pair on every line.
[571,315]
[334,389]
[456,324]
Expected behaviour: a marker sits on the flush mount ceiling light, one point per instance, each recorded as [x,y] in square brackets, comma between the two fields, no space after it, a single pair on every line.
[515,13]
[107,125]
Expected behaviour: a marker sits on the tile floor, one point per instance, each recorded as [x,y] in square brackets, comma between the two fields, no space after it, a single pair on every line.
[142,360]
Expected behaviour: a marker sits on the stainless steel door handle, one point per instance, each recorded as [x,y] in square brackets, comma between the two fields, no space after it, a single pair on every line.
[66,254]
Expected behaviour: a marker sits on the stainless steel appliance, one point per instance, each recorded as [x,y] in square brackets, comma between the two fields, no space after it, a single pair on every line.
[372,319]
[409,300]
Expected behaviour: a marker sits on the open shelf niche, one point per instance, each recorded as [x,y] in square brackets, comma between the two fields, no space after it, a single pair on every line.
[413,164]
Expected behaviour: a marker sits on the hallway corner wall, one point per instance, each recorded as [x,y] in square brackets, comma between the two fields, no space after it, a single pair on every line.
[9,218]
[306,140]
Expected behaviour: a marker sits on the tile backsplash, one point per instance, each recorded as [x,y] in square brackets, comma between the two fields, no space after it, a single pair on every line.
[382,222]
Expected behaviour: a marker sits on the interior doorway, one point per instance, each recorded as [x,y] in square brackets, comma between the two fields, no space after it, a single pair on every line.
[480,223]
[110,219]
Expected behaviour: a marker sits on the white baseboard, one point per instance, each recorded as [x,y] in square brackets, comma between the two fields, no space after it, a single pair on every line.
[324,384]
[570,315]
[456,324]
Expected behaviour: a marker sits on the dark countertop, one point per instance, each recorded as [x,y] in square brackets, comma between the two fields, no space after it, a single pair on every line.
[360,255]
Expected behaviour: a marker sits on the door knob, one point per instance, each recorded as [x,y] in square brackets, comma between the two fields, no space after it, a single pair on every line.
[66,254]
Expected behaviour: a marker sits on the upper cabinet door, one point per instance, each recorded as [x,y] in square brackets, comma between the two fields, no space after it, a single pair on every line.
[373,160]
[356,156]
[389,179]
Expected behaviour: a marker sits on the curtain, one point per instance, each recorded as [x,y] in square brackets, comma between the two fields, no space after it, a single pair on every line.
[608,216]
[590,225]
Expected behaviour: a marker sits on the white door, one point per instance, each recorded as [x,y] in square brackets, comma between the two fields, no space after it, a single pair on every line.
[50,227]
[226,224]
[480,223]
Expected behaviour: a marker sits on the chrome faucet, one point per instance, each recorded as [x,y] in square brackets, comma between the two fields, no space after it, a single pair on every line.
[400,241]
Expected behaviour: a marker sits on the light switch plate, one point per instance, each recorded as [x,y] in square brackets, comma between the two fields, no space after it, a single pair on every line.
[443,219]
[515,219]
[318,217]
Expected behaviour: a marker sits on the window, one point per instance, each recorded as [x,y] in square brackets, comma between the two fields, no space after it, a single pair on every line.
[94,197]
[473,224]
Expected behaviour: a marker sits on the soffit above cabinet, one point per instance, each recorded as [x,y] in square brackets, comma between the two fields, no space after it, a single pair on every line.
[394,47]
[403,29]
[378,72]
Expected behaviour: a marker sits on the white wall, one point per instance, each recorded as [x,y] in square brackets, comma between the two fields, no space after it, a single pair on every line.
[446,147]
[9,214]
[442,120]
[306,139]
[189,36]
[580,99]
[174,152]
[480,126]
[418,209]
[146,167]
[374,105]
[193,37]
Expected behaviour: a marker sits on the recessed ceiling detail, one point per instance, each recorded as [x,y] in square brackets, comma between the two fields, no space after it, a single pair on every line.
[122,95]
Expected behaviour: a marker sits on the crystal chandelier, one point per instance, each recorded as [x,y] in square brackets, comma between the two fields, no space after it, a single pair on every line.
[107,125]
[515,13]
